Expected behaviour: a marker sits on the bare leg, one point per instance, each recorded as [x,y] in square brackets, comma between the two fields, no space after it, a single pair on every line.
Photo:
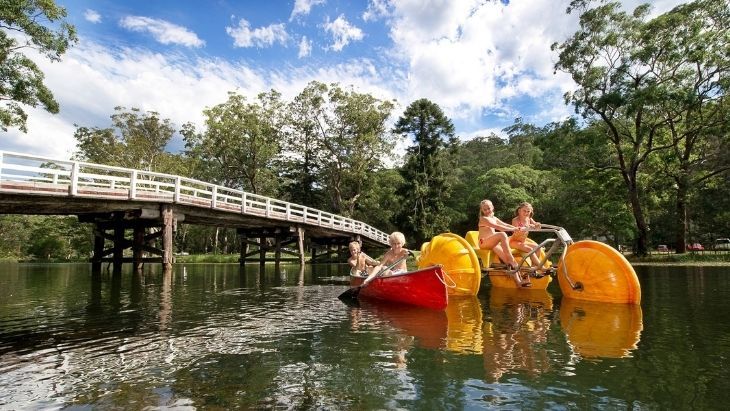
[499,243]
[525,248]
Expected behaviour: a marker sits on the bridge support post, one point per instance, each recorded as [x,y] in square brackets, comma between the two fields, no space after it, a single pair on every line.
[167,234]
[300,242]
[244,247]
[276,239]
[98,250]
[118,255]
[262,251]
[137,244]
[111,228]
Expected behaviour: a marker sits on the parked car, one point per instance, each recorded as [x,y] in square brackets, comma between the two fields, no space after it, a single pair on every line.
[662,248]
[722,244]
[695,247]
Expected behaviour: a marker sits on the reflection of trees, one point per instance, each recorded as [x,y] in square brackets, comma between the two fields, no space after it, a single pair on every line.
[515,334]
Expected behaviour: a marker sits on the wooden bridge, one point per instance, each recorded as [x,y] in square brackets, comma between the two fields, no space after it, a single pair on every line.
[150,205]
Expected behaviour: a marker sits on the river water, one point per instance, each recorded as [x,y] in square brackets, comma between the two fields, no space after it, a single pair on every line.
[214,336]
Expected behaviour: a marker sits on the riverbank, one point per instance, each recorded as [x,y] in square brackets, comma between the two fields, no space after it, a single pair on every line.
[693,259]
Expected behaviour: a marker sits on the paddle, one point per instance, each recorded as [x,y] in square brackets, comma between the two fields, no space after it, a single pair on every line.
[353,292]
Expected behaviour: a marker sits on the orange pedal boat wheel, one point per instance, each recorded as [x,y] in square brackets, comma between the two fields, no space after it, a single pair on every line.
[599,273]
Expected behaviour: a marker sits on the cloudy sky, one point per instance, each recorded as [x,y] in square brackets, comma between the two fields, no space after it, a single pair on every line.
[485,62]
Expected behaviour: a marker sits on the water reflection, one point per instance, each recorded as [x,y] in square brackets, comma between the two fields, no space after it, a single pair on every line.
[226,337]
[465,323]
[427,327]
[516,332]
[601,329]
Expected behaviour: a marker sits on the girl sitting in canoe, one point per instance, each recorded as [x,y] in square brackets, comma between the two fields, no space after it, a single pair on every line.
[395,257]
[497,241]
[360,263]
[518,239]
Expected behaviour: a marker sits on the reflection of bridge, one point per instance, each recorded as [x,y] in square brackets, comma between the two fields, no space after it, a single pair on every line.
[152,204]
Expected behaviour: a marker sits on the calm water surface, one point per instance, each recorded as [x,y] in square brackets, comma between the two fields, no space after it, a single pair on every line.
[217,337]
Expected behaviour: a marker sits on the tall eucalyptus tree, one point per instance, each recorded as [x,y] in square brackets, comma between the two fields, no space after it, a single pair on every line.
[240,143]
[345,133]
[657,84]
[135,139]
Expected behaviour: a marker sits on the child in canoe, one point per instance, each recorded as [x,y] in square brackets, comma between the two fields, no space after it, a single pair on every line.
[395,257]
[360,263]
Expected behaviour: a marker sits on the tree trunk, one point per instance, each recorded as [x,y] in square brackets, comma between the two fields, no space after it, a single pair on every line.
[641,226]
[681,207]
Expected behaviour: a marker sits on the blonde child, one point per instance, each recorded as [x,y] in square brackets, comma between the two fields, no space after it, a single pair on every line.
[360,263]
[518,240]
[497,241]
[396,253]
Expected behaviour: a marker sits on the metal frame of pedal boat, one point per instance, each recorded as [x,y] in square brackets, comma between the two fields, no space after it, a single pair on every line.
[562,241]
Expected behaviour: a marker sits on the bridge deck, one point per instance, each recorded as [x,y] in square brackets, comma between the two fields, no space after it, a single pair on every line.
[38,185]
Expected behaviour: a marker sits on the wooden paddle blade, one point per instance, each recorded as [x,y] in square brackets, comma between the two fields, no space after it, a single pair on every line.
[350,294]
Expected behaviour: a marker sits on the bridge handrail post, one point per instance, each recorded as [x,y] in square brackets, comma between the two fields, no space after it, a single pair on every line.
[243,203]
[288,211]
[268,207]
[214,196]
[133,185]
[73,189]
[2,159]
[176,195]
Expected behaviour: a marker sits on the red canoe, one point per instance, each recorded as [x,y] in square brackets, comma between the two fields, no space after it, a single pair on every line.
[423,288]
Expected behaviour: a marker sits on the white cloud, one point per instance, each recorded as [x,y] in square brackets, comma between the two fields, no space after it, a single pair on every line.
[376,9]
[92,16]
[243,36]
[475,59]
[163,31]
[305,47]
[343,32]
[91,80]
[303,7]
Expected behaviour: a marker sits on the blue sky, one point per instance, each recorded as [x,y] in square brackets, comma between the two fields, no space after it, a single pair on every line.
[484,62]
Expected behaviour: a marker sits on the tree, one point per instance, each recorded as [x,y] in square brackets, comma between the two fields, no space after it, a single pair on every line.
[23,25]
[239,147]
[427,169]
[135,140]
[349,130]
[302,167]
[656,85]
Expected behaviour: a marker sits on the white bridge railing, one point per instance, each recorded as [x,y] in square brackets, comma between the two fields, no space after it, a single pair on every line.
[28,174]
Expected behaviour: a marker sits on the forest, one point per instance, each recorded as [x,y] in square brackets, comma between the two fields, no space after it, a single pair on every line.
[644,160]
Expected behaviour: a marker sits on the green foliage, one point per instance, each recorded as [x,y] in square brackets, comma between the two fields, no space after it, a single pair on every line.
[656,85]
[339,136]
[428,170]
[135,140]
[240,144]
[44,237]
[378,205]
[29,24]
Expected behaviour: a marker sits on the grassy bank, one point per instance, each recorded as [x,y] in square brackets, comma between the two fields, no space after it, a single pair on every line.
[701,258]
